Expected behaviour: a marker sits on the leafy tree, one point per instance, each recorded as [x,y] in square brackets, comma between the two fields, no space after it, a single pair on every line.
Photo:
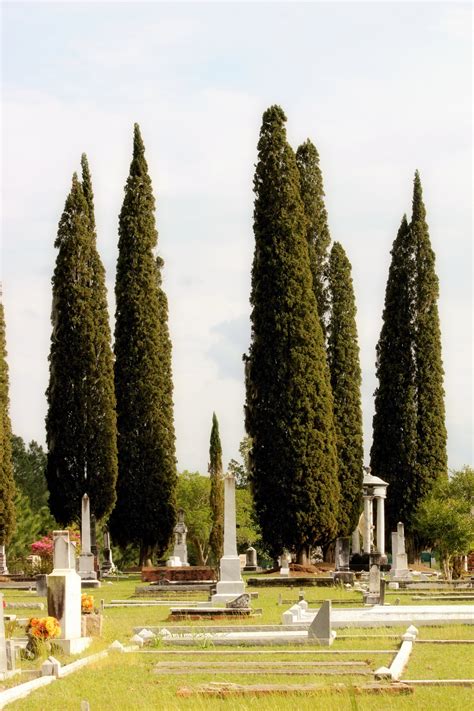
[344,367]
[248,531]
[216,539]
[7,485]
[241,470]
[145,511]
[289,403]
[31,524]
[80,423]
[409,434]
[29,464]
[445,517]
[317,229]
[193,494]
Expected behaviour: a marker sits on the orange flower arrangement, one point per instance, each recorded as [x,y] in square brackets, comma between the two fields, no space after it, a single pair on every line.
[43,628]
[87,604]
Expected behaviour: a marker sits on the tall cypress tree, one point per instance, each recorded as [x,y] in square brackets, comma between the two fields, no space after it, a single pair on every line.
[289,404]
[216,538]
[409,434]
[393,451]
[7,486]
[317,229]
[145,510]
[81,421]
[344,366]
[431,458]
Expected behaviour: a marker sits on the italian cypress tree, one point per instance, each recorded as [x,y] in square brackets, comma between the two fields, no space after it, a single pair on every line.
[431,458]
[344,366]
[393,452]
[409,434]
[289,403]
[7,486]
[145,511]
[216,538]
[317,229]
[81,420]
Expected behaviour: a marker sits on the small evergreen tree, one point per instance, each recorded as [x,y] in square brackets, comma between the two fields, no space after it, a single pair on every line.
[80,423]
[317,229]
[145,512]
[7,485]
[344,366]
[216,538]
[289,404]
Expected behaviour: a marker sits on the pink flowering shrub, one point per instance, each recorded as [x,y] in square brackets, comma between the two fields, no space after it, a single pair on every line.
[43,547]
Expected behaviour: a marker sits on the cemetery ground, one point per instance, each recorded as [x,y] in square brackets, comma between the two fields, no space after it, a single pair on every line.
[152,677]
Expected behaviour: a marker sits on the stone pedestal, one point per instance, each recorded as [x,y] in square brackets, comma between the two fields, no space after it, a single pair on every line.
[64,595]
[91,625]
[230,584]
[399,556]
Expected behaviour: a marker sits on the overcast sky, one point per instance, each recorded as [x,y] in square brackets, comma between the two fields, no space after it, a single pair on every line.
[380,88]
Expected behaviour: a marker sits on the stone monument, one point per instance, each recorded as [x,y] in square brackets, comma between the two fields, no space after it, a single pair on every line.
[230,584]
[3,561]
[108,565]
[180,550]
[285,560]
[64,594]
[86,559]
[250,559]
[399,557]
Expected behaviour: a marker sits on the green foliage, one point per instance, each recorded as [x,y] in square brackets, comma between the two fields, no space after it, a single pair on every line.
[344,366]
[445,517]
[248,531]
[7,485]
[193,495]
[241,470]
[216,538]
[317,229]
[289,403]
[409,434]
[80,423]
[32,523]
[29,465]
[145,511]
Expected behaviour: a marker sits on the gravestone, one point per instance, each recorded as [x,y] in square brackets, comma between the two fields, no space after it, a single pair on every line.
[41,585]
[250,559]
[107,566]
[343,552]
[230,584]
[285,560]
[320,627]
[239,603]
[64,594]
[372,597]
[399,557]
[3,561]
[3,649]
[86,559]
[180,550]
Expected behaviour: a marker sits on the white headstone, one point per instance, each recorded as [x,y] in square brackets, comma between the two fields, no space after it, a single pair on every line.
[180,550]
[320,627]
[230,584]
[399,557]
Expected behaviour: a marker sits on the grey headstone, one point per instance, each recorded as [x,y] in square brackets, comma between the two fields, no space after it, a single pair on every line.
[343,551]
[42,585]
[320,627]
[240,602]
[374,579]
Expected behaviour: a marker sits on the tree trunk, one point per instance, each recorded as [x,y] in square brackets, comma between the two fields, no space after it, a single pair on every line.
[146,551]
[303,555]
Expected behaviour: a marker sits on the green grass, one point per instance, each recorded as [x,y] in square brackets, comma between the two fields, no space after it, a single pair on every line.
[128,681]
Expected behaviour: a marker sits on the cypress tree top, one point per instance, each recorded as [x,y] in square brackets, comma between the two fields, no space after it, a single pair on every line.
[216,538]
[289,403]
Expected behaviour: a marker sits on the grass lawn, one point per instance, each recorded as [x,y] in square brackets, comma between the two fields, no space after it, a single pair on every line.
[129,681]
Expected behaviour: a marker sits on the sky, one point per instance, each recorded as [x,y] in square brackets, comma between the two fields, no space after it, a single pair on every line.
[382,89]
